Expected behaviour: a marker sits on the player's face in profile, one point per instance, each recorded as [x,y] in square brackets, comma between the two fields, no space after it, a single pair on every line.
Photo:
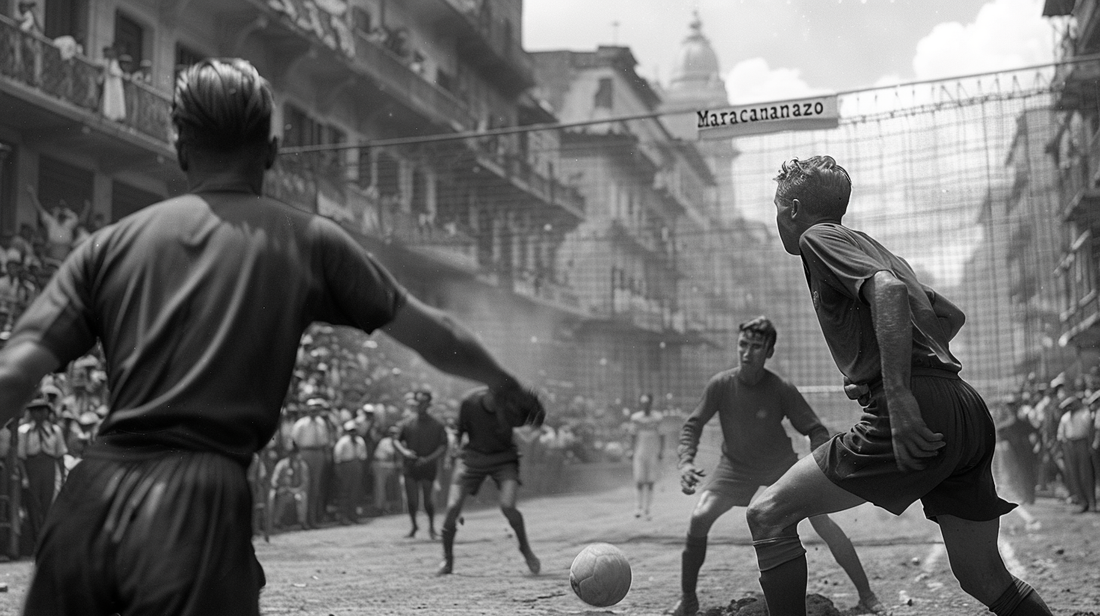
[788,228]
[752,350]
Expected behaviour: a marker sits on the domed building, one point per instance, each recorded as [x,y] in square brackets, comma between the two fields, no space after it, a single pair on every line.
[696,84]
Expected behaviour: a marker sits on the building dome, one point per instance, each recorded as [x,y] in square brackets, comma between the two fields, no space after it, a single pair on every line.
[696,69]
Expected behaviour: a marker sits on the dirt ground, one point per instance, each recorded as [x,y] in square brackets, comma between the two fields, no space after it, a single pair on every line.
[372,569]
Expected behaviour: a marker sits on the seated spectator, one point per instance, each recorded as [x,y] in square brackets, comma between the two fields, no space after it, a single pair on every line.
[289,487]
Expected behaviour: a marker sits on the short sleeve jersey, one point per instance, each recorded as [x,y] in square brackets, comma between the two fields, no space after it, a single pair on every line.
[646,429]
[751,417]
[837,261]
[423,435]
[486,433]
[200,302]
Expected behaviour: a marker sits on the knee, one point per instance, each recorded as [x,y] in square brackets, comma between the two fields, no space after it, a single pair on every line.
[762,520]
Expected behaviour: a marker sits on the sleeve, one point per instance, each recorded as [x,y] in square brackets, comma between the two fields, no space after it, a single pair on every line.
[359,291]
[693,425]
[834,258]
[802,416]
[60,318]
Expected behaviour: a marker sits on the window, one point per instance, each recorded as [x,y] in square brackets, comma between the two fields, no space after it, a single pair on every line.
[298,128]
[65,17]
[129,41]
[361,19]
[420,192]
[388,178]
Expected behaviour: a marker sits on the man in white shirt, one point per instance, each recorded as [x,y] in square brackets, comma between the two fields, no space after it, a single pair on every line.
[41,450]
[349,457]
[315,440]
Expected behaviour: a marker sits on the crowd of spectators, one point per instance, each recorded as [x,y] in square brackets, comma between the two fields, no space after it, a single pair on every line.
[1049,440]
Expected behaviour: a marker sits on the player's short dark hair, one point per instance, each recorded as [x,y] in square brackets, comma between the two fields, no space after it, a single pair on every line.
[818,183]
[222,105]
[762,326]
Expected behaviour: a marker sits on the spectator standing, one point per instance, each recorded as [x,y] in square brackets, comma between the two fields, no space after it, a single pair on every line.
[60,224]
[349,457]
[28,17]
[384,464]
[41,450]
[289,487]
[314,439]
[1075,439]
[113,104]
[648,446]
[422,441]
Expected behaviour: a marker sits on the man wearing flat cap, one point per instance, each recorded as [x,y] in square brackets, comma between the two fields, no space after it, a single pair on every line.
[41,451]
[315,439]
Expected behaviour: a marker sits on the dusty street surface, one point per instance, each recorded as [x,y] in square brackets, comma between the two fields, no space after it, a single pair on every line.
[372,569]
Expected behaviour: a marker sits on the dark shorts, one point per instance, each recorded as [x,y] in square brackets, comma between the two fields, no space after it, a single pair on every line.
[958,481]
[728,482]
[424,472]
[471,476]
[170,534]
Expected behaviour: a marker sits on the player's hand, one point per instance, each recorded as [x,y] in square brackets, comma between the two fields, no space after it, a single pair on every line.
[689,478]
[524,402]
[857,391]
[912,440]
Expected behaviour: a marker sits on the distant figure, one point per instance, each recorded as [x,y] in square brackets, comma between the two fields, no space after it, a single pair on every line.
[28,17]
[1075,438]
[314,438]
[113,104]
[422,441]
[290,488]
[60,224]
[648,438]
[41,450]
[349,456]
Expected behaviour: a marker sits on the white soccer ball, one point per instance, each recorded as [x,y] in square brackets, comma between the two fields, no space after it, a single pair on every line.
[600,575]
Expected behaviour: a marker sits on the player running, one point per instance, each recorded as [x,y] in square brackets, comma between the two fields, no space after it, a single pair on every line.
[199,302]
[924,434]
[486,419]
[751,402]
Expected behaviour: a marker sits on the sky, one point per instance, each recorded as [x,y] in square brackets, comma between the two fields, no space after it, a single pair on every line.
[778,49]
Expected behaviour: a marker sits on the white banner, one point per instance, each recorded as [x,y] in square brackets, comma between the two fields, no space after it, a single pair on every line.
[803,114]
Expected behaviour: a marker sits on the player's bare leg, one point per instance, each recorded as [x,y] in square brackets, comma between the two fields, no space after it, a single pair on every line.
[455,501]
[803,491]
[977,565]
[426,490]
[845,554]
[708,509]
[412,501]
[508,489]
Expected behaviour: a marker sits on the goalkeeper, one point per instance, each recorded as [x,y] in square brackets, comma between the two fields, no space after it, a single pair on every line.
[751,403]
[486,418]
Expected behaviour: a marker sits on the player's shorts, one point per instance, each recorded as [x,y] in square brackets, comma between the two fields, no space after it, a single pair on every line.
[471,475]
[423,472]
[727,482]
[167,534]
[958,481]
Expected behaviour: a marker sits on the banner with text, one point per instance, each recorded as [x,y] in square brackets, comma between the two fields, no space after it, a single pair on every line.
[813,113]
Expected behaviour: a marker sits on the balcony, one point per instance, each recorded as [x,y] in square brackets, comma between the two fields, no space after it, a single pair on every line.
[646,242]
[1081,320]
[1075,84]
[51,98]
[523,176]
[542,287]
[445,244]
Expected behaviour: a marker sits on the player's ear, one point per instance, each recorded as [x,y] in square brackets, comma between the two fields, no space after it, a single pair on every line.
[796,208]
[771,351]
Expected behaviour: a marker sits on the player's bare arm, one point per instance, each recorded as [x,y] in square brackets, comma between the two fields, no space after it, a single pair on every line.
[690,475]
[22,366]
[951,317]
[888,298]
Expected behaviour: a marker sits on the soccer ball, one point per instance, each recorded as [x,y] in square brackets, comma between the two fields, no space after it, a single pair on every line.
[600,575]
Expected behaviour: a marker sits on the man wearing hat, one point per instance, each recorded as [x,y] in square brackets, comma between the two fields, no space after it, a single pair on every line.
[289,486]
[1075,438]
[422,441]
[314,439]
[41,450]
[349,458]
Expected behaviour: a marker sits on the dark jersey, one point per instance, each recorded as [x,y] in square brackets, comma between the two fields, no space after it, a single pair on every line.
[422,436]
[487,431]
[200,302]
[837,261]
[751,417]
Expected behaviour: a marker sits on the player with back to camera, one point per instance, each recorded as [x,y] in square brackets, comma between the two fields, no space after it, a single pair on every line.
[487,448]
[199,302]
[751,402]
[924,433]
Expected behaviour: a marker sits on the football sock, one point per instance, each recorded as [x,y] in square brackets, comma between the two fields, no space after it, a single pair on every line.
[448,541]
[691,560]
[1019,599]
[782,564]
[515,519]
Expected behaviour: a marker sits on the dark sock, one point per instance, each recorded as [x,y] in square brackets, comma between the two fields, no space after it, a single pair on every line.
[448,541]
[782,563]
[1019,599]
[515,519]
[691,561]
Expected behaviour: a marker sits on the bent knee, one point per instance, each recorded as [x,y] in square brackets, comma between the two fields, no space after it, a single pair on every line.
[765,519]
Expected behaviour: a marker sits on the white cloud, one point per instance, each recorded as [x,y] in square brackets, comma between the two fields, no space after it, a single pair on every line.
[1006,34]
[753,81]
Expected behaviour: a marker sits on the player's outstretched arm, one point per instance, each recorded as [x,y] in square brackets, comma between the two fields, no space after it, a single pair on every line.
[22,366]
[888,298]
[446,344]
